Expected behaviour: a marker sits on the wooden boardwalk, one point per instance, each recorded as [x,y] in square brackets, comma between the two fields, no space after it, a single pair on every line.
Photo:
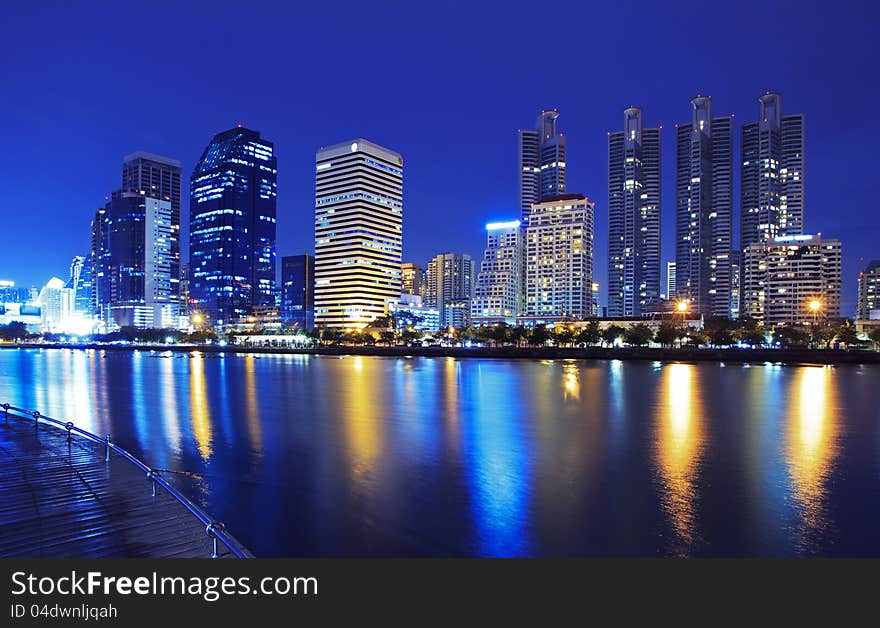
[60,499]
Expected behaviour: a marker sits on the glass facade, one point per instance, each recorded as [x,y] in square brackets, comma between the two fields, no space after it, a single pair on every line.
[232,226]
[298,291]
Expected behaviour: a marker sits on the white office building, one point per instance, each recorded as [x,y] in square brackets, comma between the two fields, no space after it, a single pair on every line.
[498,292]
[358,233]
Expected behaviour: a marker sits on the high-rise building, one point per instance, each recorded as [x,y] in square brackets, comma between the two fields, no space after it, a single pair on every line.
[56,305]
[670,281]
[80,282]
[232,226]
[541,162]
[157,177]
[450,287]
[783,276]
[298,290]
[772,181]
[184,289]
[415,279]
[498,292]
[735,284]
[559,258]
[358,233]
[132,254]
[704,209]
[869,292]
[633,216]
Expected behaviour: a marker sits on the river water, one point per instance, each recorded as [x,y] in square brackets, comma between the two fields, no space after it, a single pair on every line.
[326,456]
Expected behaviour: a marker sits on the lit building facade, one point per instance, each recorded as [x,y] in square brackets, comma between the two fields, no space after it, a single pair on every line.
[298,291]
[358,233]
[414,278]
[233,193]
[158,177]
[80,282]
[869,292]
[633,216]
[498,291]
[704,210]
[410,312]
[541,162]
[772,174]
[450,286]
[670,281]
[782,276]
[132,280]
[559,258]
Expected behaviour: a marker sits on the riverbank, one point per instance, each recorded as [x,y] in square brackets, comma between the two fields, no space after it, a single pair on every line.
[785,356]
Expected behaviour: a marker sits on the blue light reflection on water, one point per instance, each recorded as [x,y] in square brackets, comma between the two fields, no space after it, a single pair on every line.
[307,455]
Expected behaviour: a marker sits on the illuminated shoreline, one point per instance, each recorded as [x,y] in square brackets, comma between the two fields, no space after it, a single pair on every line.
[750,356]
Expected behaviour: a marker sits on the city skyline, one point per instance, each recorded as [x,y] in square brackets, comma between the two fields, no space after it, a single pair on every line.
[419,130]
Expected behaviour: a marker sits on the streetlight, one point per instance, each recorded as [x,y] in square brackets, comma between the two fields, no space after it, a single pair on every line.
[815,305]
[197,319]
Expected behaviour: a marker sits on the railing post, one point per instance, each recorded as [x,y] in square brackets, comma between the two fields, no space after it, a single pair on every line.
[210,531]
[6,412]
[107,443]
[69,425]
[151,476]
[36,419]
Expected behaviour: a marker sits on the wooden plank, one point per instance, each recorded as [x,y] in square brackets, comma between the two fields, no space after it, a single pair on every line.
[60,499]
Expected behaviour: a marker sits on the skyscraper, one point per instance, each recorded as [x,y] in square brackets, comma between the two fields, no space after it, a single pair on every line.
[541,162]
[232,226]
[80,282]
[633,216]
[869,292]
[670,281]
[132,252]
[415,279]
[358,233]
[772,181]
[783,276]
[498,292]
[559,258]
[450,288]
[298,290]
[704,209]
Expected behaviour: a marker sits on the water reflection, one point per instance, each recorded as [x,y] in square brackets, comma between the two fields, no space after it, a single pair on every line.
[393,457]
[811,448]
[679,448]
[200,412]
[362,425]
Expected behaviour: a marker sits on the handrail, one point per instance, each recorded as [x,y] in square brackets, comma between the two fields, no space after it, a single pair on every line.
[214,529]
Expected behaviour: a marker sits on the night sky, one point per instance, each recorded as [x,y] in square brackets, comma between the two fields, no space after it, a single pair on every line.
[445,84]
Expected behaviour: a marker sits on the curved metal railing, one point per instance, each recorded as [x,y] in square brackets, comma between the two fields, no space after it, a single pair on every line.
[214,529]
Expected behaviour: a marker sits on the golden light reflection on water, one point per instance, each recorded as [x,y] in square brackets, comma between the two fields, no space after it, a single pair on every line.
[679,447]
[254,422]
[811,446]
[452,408]
[198,402]
[571,381]
[361,423]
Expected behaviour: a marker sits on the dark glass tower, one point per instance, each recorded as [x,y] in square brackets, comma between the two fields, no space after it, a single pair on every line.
[232,226]
[298,290]
[541,162]
[633,216]
[772,182]
[704,210]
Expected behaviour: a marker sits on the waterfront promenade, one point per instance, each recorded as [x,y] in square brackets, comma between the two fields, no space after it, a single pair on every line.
[61,499]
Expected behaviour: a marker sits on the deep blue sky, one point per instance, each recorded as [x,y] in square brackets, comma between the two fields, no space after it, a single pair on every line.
[446,84]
